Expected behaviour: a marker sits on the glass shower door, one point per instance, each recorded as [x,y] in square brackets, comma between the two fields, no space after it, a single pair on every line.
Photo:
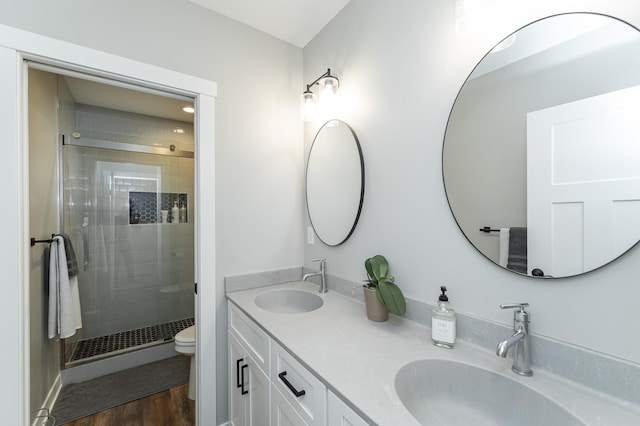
[136,273]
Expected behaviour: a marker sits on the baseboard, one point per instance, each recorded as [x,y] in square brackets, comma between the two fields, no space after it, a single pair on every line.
[49,402]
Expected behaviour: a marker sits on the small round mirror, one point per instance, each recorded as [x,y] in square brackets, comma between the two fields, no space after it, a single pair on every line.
[335,182]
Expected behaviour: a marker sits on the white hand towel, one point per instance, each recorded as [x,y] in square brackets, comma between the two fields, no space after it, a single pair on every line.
[64,297]
[504,247]
[53,290]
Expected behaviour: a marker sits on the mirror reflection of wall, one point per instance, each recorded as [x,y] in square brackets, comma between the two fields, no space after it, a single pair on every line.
[335,182]
[551,62]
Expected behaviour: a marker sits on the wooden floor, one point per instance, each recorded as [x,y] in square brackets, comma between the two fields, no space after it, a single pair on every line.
[169,408]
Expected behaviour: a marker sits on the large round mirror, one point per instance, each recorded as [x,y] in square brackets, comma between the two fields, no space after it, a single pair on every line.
[335,182]
[541,157]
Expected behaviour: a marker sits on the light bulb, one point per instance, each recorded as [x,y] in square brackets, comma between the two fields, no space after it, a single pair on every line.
[308,106]
[328,88]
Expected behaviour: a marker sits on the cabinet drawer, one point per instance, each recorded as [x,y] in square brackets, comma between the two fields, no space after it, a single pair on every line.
[282,413]
[291,377]
[254,339]
[341,414]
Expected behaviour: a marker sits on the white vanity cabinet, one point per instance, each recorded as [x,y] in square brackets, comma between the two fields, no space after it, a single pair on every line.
[340,414]
[268,386]
[249,385]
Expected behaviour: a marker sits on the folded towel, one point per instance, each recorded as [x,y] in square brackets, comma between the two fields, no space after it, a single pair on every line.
[504,247]
[64,297]
[517,259]
[72,261]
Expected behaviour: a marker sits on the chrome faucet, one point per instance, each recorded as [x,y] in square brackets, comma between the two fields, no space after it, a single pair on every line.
[323,264]
[520,339]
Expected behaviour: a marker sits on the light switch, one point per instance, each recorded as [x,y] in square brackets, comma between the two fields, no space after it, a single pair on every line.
[310,235]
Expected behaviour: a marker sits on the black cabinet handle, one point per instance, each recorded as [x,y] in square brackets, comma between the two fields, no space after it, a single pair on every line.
[242,391]
[297,393]
[238,382]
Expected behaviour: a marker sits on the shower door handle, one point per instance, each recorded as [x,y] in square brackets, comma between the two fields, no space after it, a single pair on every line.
[85,243]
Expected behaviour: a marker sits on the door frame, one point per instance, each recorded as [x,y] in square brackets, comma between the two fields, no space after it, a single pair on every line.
[17,47]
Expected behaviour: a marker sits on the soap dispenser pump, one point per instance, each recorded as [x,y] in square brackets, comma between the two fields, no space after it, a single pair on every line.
[443,322]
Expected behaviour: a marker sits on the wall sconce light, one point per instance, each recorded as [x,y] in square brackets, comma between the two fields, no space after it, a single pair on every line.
[328,88]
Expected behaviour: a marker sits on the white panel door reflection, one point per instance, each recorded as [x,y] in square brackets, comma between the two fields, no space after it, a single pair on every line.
[583,182]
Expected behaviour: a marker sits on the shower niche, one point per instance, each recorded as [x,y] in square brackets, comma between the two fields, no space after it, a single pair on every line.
[156,207]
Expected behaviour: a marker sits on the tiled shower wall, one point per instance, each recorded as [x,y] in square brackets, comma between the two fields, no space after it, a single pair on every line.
[121,126]
[132,275]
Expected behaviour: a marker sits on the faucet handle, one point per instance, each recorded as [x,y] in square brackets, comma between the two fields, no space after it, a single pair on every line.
[322,261]
[519,306]
[519,314]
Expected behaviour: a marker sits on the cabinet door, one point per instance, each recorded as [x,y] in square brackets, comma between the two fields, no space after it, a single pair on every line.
[248,388]
[258,396]
[282,413]
[340,414]
[237,404]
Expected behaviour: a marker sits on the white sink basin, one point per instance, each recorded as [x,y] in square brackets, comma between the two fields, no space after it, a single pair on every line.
[288,301]
[441,392]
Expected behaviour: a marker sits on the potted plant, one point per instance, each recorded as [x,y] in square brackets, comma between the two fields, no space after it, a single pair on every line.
[381,294]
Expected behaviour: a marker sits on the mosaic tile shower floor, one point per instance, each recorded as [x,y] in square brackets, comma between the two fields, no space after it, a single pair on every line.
[102,345]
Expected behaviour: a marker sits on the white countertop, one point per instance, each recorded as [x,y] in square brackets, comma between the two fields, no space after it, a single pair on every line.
[358,358]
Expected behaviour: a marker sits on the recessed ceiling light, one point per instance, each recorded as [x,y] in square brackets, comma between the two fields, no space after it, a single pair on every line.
[189,109]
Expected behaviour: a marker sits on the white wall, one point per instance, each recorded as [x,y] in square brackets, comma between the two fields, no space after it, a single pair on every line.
[43,221]
[258,146]
[400,66]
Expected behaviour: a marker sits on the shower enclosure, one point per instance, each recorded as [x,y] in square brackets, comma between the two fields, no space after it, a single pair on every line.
[127,191]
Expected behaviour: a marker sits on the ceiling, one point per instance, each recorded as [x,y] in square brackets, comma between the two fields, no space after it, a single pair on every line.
[119,98]
[294,21]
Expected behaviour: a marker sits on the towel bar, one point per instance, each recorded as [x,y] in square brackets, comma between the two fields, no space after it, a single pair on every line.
[34,241]
[488,229]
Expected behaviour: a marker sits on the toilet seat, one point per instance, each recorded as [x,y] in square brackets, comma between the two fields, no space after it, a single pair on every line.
[185,341]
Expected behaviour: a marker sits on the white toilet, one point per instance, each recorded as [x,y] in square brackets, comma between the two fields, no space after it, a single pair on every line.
[185,343]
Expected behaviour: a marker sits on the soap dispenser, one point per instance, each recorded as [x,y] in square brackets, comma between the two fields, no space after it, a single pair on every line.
[443,322]
[183,213]
[175,212]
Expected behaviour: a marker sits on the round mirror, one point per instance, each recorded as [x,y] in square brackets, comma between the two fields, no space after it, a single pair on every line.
[541,156]
[335,182]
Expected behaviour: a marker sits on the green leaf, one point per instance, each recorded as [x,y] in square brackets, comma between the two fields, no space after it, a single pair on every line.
[391,296]
[369,268]
[377,267]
